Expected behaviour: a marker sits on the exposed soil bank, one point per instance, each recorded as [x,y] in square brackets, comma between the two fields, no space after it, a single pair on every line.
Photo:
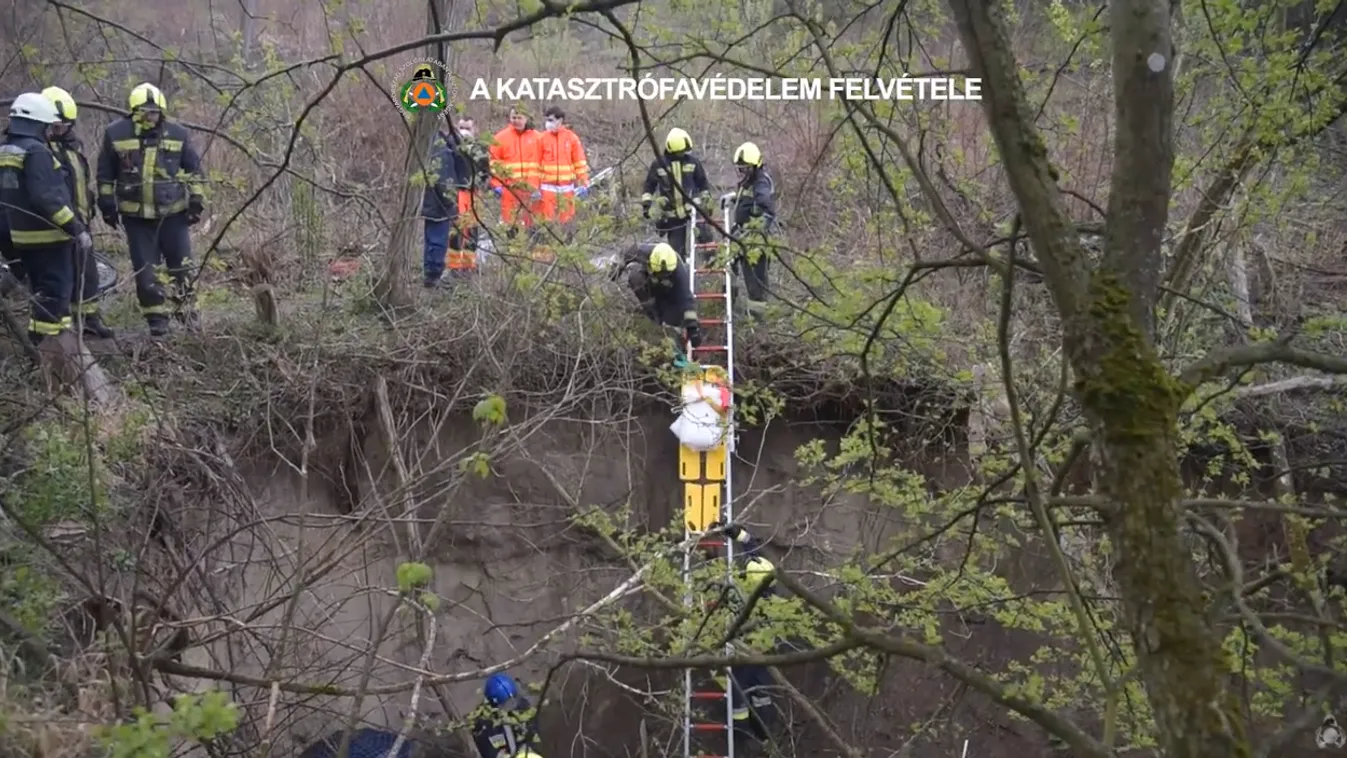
[510,568]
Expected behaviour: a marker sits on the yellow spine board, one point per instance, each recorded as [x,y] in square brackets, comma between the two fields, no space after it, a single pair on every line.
[689,464]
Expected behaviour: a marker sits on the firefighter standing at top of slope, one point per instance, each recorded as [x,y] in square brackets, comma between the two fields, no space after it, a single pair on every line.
[69,150]
[564,173]
[516,153]
[661,200]
[754,220]
[150,182]
[43,226]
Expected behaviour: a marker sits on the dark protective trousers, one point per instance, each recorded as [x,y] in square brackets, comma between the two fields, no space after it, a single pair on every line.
[161,252]
[51,277]
[84,283]
[751,263]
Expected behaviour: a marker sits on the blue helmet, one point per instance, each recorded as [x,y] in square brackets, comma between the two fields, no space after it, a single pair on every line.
[500,688]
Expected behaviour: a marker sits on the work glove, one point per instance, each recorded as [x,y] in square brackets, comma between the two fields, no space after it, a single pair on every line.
[645,211]
[729,530]
[535,196]
[84,243]
[581,193]
[498,190]
[111,220]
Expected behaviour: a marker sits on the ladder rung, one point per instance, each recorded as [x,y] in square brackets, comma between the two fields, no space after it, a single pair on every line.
[708,727]
[709,295]
[707,245]
[712,322]
[712,695]
[710,543]
[709,270]
[711,349]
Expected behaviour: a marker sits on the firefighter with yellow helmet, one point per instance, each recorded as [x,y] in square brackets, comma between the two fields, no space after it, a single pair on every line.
[69,151]
[672,182]
[150,182]
[753,220]
[753,709]
[661,281]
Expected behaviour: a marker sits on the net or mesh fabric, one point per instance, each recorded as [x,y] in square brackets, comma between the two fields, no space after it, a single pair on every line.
[365,743]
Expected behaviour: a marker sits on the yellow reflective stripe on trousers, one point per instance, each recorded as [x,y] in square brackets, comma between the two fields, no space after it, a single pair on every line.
[172,144]
[89,308]
[147,181]
[105,189]
[38,237]
[154,310]
[63,216]
[45,328]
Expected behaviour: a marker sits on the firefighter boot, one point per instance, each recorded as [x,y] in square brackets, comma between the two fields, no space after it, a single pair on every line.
[92,325]
[158,324]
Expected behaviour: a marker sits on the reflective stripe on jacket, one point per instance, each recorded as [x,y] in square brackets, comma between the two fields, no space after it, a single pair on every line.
[148,173]
[33,191]
[69,153]
[563,164]
[675,170]
[515,159]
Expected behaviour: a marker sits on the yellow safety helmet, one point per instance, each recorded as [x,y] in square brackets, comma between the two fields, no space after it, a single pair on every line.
[677,141]
[65,104]
[748,154]
[146,95]
[758,570]
[663,259]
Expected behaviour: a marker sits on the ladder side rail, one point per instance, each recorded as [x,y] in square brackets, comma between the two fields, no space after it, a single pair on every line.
[688,599]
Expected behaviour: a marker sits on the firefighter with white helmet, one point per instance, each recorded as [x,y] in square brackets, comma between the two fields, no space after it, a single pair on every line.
[43,226]
[150,182]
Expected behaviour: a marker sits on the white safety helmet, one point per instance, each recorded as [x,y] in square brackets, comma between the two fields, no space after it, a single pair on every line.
[34,107]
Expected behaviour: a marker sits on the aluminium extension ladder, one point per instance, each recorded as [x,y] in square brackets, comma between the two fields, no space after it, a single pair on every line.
[708,490]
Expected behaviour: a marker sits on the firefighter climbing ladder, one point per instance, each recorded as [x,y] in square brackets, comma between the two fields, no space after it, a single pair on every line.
[708,492]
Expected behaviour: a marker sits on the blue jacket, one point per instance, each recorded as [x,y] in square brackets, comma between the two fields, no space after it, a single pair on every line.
[503,731]
[439,201]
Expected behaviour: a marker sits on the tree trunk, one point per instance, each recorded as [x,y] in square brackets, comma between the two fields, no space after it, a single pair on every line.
[391,289]
[1131,400]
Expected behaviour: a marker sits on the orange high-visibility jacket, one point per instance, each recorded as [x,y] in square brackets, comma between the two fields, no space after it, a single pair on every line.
[515,159]
[563,164]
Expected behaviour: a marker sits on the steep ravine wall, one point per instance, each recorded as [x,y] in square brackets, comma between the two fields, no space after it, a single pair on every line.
[510,568]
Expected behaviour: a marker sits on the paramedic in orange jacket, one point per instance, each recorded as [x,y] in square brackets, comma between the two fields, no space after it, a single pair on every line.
[515,157]
[565,172]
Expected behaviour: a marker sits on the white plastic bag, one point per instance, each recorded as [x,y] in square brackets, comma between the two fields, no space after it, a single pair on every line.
[702,423]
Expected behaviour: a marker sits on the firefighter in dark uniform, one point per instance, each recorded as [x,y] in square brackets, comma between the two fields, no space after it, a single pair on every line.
[665,205]
[753,221]
[506,724]
[150,181]
[661,282]
[70,152]
[754,710]
[43,226]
